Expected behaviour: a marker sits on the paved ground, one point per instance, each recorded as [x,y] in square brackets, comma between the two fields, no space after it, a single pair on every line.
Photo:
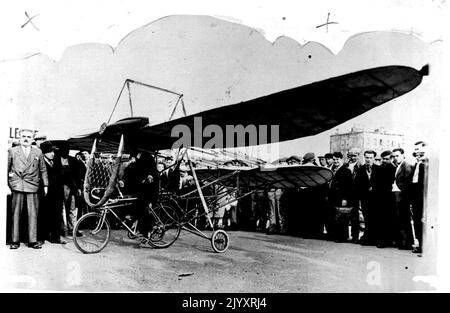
[255,262]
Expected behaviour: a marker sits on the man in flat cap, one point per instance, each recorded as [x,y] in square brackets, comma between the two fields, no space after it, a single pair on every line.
[26,171]
[309,159]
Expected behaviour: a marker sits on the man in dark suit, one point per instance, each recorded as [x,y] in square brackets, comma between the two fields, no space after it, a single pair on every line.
[52,204]
[71,180]
[401,191]
[364,183]
[417,192]
[340,196]
[26,170]
[141,178]
[353,165]
[384,218]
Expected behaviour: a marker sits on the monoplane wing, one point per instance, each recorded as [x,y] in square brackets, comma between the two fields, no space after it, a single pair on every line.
[252,178]
[302,111]
[289,176]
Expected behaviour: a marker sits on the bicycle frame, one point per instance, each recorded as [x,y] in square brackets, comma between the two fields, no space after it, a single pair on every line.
[110,207]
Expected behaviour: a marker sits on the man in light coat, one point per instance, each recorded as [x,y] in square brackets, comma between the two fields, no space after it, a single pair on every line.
[26,171]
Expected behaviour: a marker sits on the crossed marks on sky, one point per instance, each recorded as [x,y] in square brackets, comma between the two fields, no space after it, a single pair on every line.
[30,21]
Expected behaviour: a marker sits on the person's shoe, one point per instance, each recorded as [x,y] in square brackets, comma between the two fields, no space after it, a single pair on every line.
[34,245]
[403,247]
[14,245]
[381,245]
[78,234]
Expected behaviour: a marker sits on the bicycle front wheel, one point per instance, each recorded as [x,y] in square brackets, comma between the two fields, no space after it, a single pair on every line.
[165,227]
[95,233]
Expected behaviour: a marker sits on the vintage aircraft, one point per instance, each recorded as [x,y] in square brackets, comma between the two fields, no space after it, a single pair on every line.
[298,112]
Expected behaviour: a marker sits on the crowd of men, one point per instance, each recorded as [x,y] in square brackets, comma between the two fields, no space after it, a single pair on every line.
[46,183]
[386,195]
[369,203]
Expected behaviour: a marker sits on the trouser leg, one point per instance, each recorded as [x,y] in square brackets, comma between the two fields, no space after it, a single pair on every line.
[354,215]
[70,209]
[55,209]
[418,214]
[281,211]
[367,211]
[33,211]
[404,203]
[272,208]
[16,207]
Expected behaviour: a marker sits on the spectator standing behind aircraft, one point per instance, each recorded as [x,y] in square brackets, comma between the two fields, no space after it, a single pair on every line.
[340,197]
[82,168]
[322,161]
[364,183]
[39,139]
[401,191]
[276,213]
[26,170]
[329,160]
[310,206]
[72,188]
[353,161]
[378,160]
[353,165]
[384,216]
[163,175]
[52,204]
[417,192]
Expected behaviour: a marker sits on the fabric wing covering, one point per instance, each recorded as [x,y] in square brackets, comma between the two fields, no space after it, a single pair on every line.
[302,111]
[274,177]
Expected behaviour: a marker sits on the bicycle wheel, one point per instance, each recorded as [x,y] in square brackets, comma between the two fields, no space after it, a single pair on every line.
[220,241]
[95,231]
[165,226]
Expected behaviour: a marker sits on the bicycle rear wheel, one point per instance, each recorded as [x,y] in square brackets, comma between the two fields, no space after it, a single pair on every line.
[95,231]
[166,226]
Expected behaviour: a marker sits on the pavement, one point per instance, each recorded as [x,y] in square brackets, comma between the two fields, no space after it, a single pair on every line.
[254,263]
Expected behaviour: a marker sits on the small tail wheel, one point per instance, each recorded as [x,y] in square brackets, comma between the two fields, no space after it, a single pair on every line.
[220,241]
[95,233]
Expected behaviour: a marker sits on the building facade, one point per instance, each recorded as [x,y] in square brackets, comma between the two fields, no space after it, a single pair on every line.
[378,140]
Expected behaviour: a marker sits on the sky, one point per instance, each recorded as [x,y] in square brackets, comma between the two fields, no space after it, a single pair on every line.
[62,74]
[76,60]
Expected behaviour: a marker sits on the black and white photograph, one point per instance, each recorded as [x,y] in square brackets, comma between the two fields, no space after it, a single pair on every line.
[212,147]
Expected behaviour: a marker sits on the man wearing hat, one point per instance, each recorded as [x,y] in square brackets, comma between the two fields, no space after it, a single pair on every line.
[309,159]
[26,171]
[311,206]
[51,218]
[39,139]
